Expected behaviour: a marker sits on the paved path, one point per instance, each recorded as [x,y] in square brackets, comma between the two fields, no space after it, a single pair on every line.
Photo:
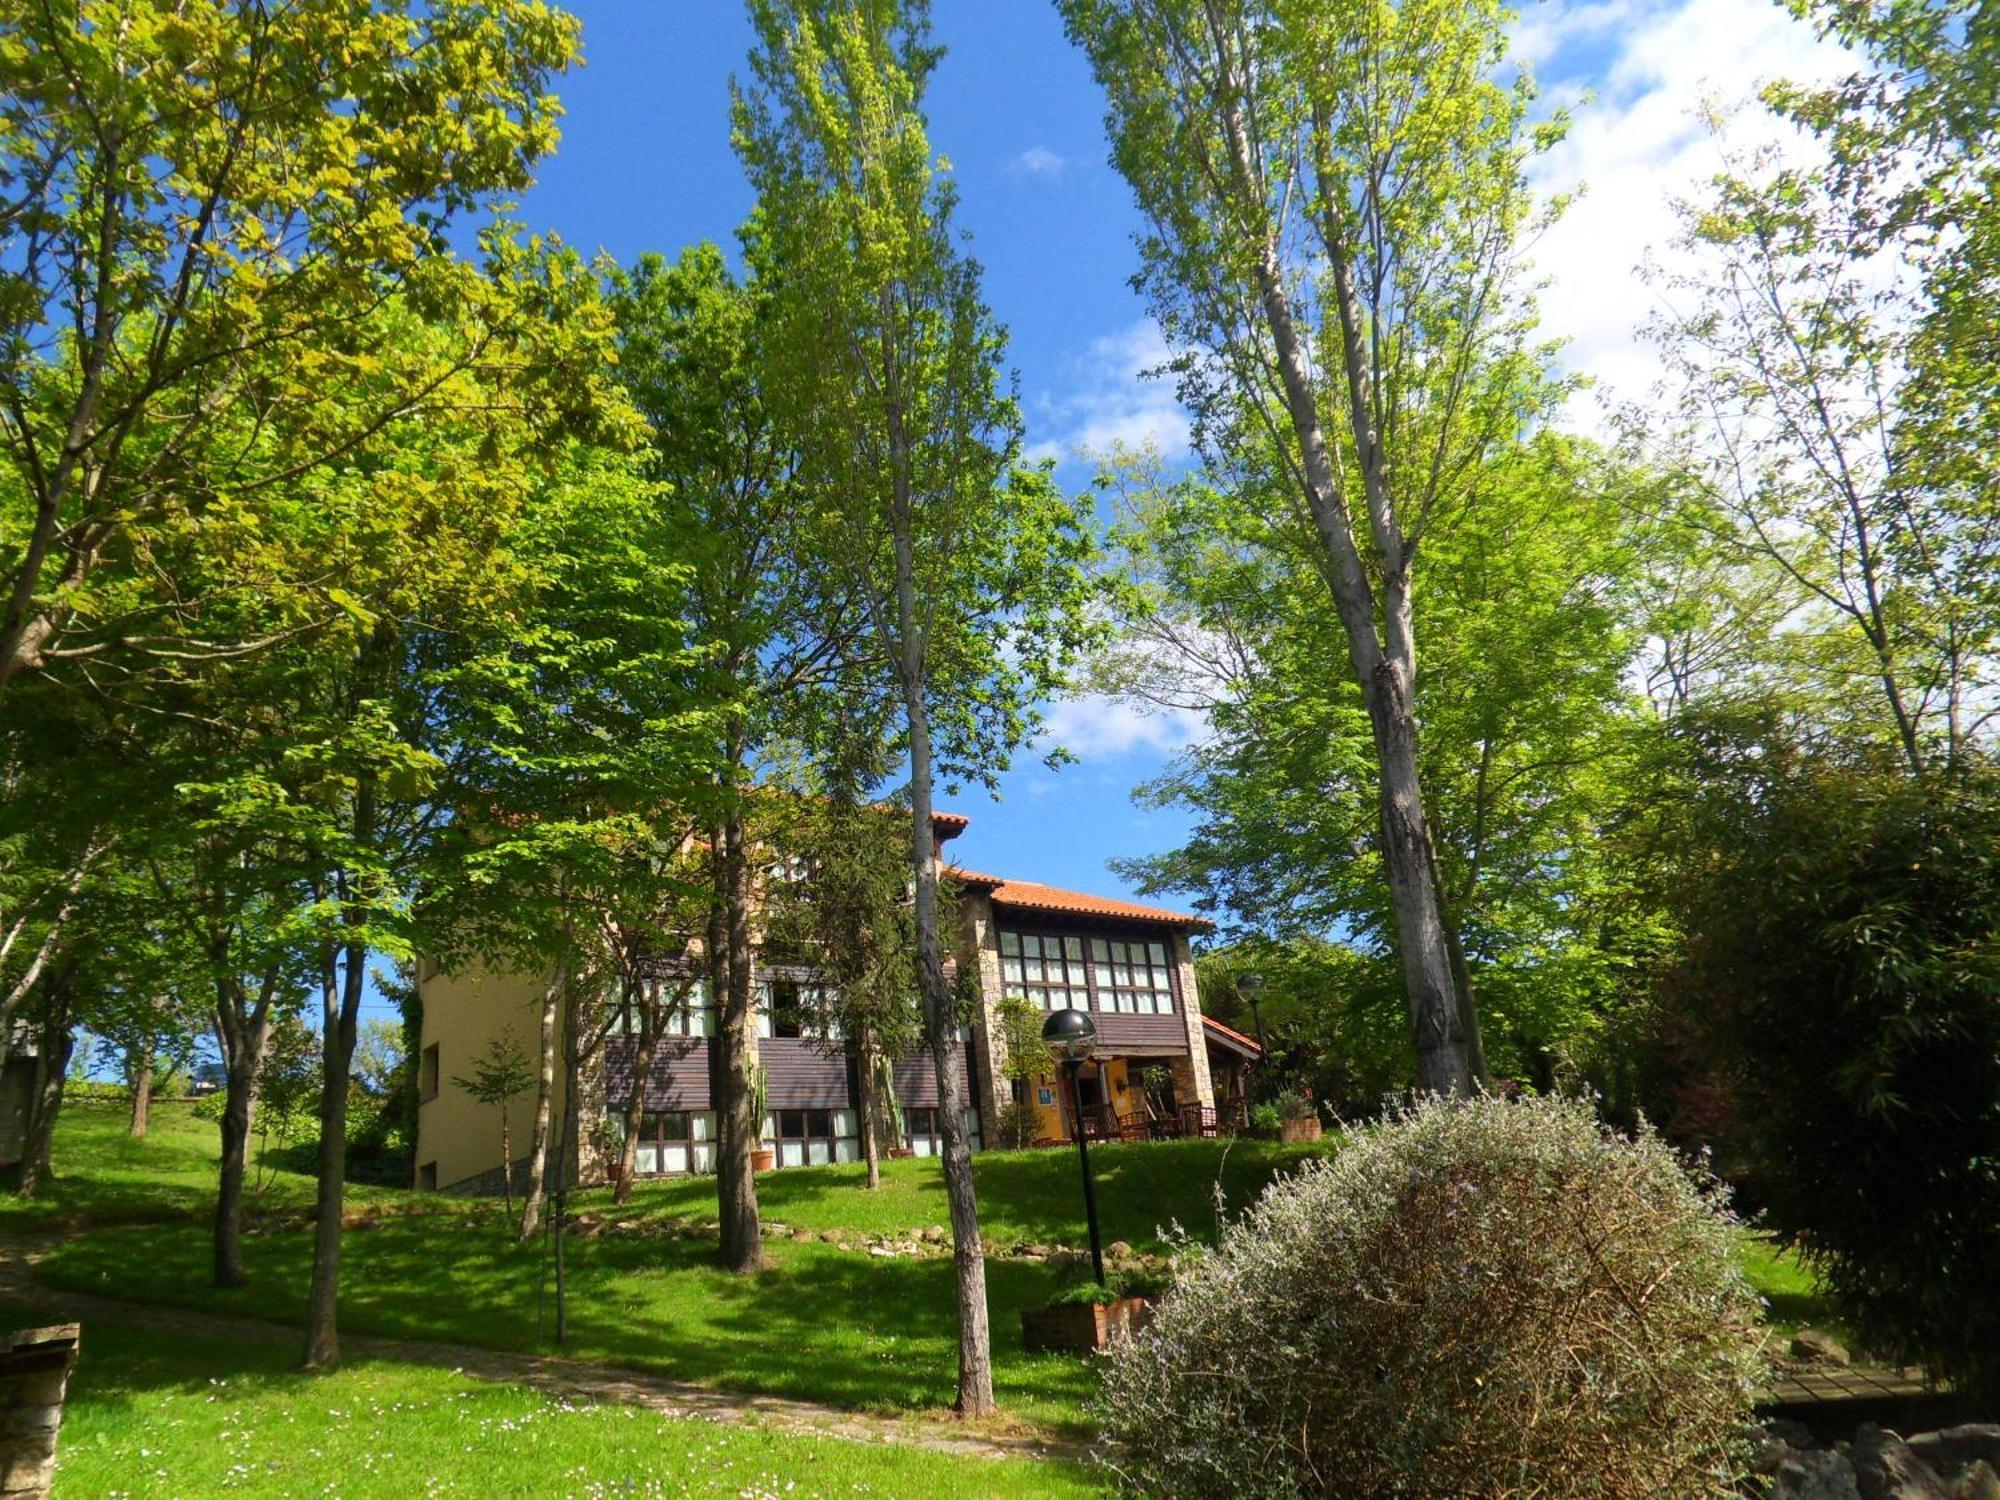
[574,1379]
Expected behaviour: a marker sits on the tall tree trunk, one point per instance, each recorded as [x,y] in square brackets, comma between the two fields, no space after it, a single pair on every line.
[506,1163]
[651,1024]
[142,1090]
[739,1130]
[1380,642]
[1468,997]
[340,1020]
[975,1354]
[55,1046]
[243,1032]
[866,1054]
[545,1087]
[569,1154]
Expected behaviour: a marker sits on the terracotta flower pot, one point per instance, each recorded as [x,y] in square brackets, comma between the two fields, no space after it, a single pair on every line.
[1082,1327]
[1304,1129]
[763,1161]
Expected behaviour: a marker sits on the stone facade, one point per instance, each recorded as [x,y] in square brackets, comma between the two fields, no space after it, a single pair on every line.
[983,943]
[34,1375]
[1194,1068]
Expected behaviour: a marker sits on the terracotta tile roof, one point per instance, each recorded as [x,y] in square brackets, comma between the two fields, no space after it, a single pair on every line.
[946,826]
[1231,1036]
[1030,896]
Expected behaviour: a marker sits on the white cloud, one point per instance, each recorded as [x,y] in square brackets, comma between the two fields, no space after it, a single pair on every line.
[1112,402]
[1640,145]
[1039,161]
[1094,726]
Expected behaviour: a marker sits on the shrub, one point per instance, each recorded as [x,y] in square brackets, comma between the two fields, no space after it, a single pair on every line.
[1293,1106]
[1116,1285]
[1472,1299]
[1839,998]
[1018,1126]
[1265,1120]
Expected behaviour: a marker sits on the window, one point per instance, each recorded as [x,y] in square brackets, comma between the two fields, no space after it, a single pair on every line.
[427,1177]
[695,1016]
[1045,969]
[813,1137]
[1133,977]
[787,1008]
[921,1126]
[675,1141]
[427,1073]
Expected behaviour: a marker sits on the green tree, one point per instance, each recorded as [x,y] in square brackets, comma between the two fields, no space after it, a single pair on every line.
[1832,1024]
[967,567]
[1534,606]
[210,206]
[1334,198]
[1027,1058]
[501,1075]
[840,905]
[1837,356]
[694,353]
[378,1056]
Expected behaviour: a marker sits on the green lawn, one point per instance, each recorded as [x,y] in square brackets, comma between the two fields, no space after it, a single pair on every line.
[824,1323]
[1024,1196]
[103,1176]
[1792,1294]
[147,1418]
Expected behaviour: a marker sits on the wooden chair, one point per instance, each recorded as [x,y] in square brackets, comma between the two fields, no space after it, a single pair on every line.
[1135,1126]
[1198,1120]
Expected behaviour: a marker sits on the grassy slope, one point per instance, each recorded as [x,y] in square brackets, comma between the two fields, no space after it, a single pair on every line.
[824,1323]
[232,1417]
[103,1176]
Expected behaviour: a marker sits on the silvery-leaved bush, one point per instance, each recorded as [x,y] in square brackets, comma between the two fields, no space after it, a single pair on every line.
[1471,1299]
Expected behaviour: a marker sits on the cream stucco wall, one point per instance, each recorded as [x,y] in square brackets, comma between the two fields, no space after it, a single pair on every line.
[463,1015]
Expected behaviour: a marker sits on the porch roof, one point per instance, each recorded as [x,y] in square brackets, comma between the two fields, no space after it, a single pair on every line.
[1230,1039]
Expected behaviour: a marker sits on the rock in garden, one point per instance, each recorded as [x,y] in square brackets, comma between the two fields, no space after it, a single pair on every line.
[1886,1469]
[1817,1348]
[1119,1251]
[1818,1474]
[1957,1447]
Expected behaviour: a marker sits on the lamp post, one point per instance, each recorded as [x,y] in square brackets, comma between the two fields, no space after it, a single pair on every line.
[1251,988]
[1072,1036]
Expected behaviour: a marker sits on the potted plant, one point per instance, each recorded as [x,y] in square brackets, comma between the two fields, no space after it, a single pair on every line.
[1084,1318]
[1298,1119]
[762,1157]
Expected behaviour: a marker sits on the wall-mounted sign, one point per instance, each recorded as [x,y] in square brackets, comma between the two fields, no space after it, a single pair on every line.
[1045,1097]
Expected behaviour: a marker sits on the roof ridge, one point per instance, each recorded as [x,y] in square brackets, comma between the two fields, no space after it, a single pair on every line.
[1079,902]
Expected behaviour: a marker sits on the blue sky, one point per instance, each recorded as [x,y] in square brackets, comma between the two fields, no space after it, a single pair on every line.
[645,164]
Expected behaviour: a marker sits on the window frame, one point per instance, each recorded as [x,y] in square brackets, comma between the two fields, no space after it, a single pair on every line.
[825,1135]
[696,1143]
[1127,980]
[1041,992]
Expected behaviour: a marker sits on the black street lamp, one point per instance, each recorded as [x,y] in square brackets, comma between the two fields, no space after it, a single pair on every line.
[1251,988]
[1072,1036]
